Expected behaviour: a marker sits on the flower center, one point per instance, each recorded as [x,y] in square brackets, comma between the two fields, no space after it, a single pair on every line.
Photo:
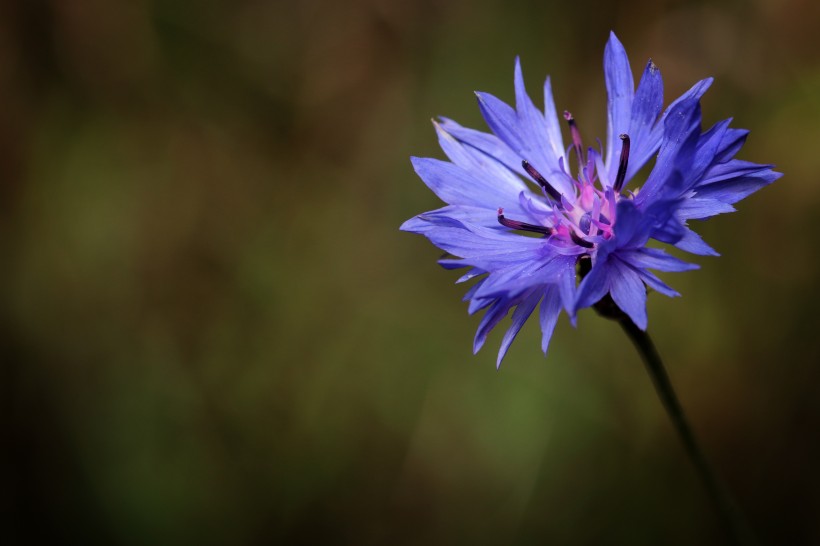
[587,216]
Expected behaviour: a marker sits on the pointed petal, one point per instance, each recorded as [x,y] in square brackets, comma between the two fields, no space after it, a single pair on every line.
[459,215]
[631,229]
[416,224]
[531,122]
[475,162]
[681,132]
[466,240]
[555,140]
[471,274]
[732,169]
[669,231]
[521,277]
[477,304]
[594,286]
[519,317]
[471,291]
[550,309]
[734,189]
[629,293]
[655,258]
[646,107]
[620,89]
[491,318]
[706,152]
[656,284]
[656,135]
[504,122]
[733,140]
[692,242]
[456,186]
[486,143]
[698,208]
[567,289]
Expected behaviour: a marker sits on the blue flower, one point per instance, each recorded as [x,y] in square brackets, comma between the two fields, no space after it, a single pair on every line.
[523,211]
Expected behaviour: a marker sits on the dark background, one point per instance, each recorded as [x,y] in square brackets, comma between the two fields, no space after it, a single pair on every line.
[213,331]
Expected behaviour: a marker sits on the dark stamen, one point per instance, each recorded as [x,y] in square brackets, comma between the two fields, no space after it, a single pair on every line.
[619,180]
[578,241]
[576,140]
[538,177]
[521,226]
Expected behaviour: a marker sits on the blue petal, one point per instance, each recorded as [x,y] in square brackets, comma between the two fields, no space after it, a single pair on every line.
[478,242]
[475,162]
[495,263]
[477,304]
[681,132]
[456,186]
[471,291]
[650,145]
[518,278]
[732,169]
[705,153]
[504,122]
[632,228]
[733,140]
[655,258]
[532,124]
[451,216]
[620,89]
[489,255]
[519,317]
[698,208]
[471,274]
[594,286]
[712,144]
[451,265]
[733,190]
[567,289]
[656,284]
[646,107]
[550,309]
[486,143]
[629,292]
[416,224]
[458,215]
[491,318]
[555,139]
[669,231]
[511,281]
[693,243]
[694,93]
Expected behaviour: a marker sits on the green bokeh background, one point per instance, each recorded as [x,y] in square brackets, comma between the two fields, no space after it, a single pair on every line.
[214,333]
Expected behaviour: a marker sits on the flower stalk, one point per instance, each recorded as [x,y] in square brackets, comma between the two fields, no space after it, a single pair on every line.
[731,516]
[730,513]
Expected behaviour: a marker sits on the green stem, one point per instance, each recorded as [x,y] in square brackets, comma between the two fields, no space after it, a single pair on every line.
[730,513]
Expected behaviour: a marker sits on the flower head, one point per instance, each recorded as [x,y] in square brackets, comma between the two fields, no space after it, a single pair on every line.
[522,210]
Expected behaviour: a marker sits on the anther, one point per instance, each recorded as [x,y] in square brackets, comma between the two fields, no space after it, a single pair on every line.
[521,226]
[538,177]
[619,180]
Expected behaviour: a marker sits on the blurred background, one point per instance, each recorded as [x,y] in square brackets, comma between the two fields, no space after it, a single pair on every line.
[213,331]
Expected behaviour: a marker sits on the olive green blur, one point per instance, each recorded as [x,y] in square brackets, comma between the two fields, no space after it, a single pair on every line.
[213,331]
